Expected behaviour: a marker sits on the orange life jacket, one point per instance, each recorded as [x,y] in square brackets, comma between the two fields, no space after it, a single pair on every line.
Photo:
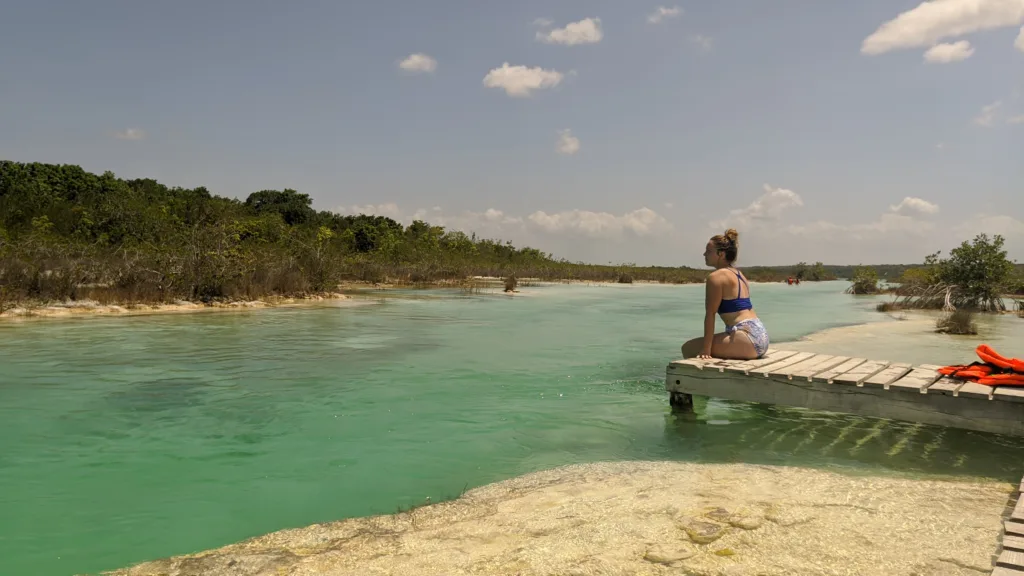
[993,370]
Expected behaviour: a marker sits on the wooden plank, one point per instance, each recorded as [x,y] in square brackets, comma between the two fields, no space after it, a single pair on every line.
[1008,393]
[880,379]
[897,404]
[773,369]
[860,373]
[746,367]
[843,368]
[1013,528]
[944,385]
[1013,543]
[700,364]
[975,390]
[1018,511]
[733,365]
[916,380]
[1011,559]
[809,370]
[1003,571]
[788,371]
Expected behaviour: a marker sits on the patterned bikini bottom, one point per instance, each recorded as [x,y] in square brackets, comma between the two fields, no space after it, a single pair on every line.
[754,330]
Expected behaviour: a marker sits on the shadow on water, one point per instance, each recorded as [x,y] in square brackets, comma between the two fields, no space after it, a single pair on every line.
[158,395]
[728,431]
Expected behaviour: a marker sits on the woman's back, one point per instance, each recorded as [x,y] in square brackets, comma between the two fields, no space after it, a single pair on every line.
[734,284]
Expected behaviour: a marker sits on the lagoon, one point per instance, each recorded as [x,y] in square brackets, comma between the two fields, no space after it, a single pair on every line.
[127,439]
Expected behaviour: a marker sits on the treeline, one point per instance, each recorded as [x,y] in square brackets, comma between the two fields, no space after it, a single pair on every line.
[67,234]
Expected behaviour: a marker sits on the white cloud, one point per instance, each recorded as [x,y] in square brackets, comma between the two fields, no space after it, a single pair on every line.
[705,43]
[418,63]
[988,114]
[768,207]
[641,222]
[520,81]
[389,209]
[130,134]
[492,222]
[662,13]
[936,20]
[1010,228]
[911,205]
[946,53]
[586,31]
[567,143]
[991,224]
[909,217]
[1019,43]
[1016,120]
[887,223]
[543,22]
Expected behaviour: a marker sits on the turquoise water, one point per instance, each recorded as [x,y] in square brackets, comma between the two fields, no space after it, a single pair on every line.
[130,439]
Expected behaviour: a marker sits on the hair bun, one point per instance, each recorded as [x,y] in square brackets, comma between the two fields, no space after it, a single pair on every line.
[732,235]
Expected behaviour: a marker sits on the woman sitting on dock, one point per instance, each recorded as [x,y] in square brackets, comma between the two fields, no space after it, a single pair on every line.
[745,337]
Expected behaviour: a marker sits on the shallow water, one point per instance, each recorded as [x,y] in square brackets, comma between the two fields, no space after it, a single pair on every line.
[136,438]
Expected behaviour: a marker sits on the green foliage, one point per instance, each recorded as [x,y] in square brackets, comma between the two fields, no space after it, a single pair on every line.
[293,207]
[69,234]
[815,273]
[978,269]
[865,281]
[922,276]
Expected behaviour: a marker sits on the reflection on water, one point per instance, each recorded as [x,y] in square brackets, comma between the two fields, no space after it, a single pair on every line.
[776,435]
[135,438]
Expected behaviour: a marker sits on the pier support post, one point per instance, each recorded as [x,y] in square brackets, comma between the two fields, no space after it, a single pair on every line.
[680,402]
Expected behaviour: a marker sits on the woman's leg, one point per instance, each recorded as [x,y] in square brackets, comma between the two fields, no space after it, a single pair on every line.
[734,345]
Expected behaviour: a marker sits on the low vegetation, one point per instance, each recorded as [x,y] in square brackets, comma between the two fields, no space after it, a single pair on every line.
[67,234]
[865,281]
[976,276]
[959,322]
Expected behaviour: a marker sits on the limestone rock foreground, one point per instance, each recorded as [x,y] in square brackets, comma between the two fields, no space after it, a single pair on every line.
[655,518]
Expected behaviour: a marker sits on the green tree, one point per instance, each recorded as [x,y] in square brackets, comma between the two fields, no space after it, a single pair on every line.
[818,273]
[979,270]
[865,280]
[295,208]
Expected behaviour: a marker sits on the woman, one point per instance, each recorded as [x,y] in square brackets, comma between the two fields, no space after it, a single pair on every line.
[728,294]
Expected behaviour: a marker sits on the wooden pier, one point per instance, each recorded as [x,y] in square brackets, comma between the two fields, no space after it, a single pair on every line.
[1009,558]
[881,389]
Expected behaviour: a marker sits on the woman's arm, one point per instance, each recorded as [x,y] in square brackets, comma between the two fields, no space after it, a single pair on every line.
[712,298]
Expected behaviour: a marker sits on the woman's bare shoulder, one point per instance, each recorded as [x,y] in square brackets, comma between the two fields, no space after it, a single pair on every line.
[718,276]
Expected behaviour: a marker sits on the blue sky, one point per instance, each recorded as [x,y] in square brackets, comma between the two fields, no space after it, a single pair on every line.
[775,116]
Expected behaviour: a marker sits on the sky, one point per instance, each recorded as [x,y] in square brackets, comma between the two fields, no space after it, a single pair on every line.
[876,131]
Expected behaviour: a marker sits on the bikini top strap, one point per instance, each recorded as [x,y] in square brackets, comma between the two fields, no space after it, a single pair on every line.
[739,282]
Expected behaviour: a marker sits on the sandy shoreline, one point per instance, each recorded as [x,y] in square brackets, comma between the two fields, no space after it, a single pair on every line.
[87,308]
[647,518]
[910,336]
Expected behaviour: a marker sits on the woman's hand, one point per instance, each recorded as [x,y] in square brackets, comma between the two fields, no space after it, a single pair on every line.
[705,355]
